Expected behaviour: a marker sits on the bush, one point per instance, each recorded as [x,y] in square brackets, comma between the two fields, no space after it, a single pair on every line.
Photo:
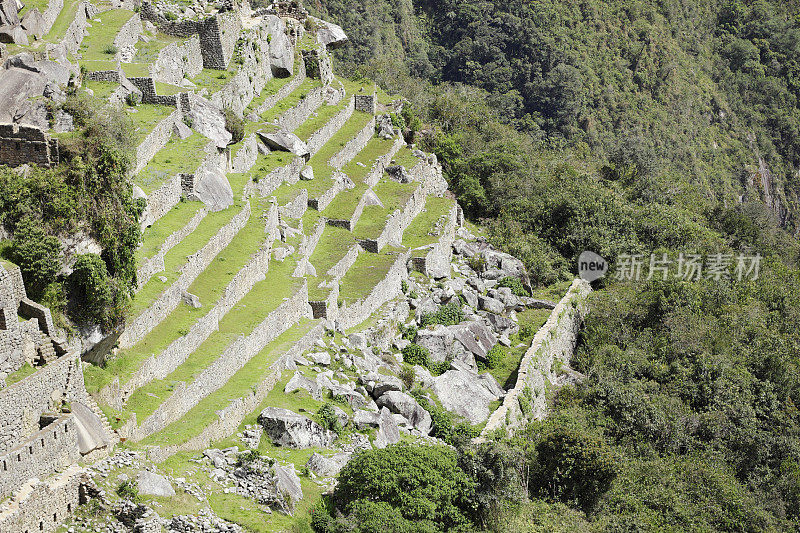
[128,489]
[414,354]
[110,49]
[234,124]
[515,285]
[92,289]
[408,333]
[169,15]
[133,99]
[422,484]
[449,314]
[494,358]
[326,416]
[37,254]
[444,428]
[477,263]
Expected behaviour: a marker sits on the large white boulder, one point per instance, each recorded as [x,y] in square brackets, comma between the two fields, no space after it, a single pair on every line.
[287,428]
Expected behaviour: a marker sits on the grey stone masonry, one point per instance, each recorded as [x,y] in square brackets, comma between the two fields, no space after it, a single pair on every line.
[42,505]
[366,103]
[44,452]
[354,145]
[318,139]
[437,259]
[27,144]
[294,116]
[172,296]
[554,342]
[155,140]
[178,60]
[232,416]
[236,355]
[154,264]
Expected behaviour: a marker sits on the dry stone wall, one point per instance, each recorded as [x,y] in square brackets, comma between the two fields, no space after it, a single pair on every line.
[245,157]
[155,140]
[129,33]
[286,174]
[353,146]
[293,117]
[177,61]
[27,144]
[43,391]
[270,101]
[366,103]
[554,342]
[235,356]
[388,288]
[155,264]
[318,139]
[232,416]
[42,505]
[376,172]
[340,183]
[172,296]
[437,259]
[297,207]
[53,448]
[71,42]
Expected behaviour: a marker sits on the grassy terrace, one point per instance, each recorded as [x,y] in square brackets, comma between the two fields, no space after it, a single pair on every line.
[136,70]
[366,272]
[240,384]
[209,287]
[251,310]
[21,373]
[176,258]
[320,118]
[393,195]
[148,52]
[530,321]
[271,87]
[64,19]
[332,247]
[101,89]
[291,100]
[418,232]
[405,157]
[102,33]
[155,235]
[167,89]
[146,116]
[178,156]
[211,79]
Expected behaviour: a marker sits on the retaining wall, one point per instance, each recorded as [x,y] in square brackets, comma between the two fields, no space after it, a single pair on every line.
[129,33]
[21,144]
[172,296]
[283,92]
[376,172]
[246,155]
[44,452]
[42,505]
[297,207]
[232,416]
[353,146]
[178,60]
[235,356]
[437,259]
[43,391]
[155,140]
[155,264]
[286,174]
[552,344]
[294,116]
[339,184]
[75,33]
[318,139]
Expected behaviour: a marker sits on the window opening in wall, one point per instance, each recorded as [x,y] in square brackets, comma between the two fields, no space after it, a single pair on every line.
[42,443]
[54,518]
[30,450]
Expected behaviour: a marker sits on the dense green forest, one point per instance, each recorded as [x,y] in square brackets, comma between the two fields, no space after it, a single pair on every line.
[619,127]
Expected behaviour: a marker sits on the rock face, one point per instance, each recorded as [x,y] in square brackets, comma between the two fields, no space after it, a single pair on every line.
[330,34]
[151,484]
[280,48]
[288,483]
[401,403]
[208,120]
[388,432]
[287,428]
[212,188]
[286,142]
[463,342]
[327,466]
[91,434]
[467,394]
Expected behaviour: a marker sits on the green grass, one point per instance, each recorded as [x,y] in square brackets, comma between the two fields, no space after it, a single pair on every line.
[98,65]
[176,258]
[393,195]
[271,87]
[375,148]
[418,232]
[240,384]
[146,116]
[322,116]
[344,205]
[64,19]
[148,52]
[332,247]
[405,157]
[553,292]
[506,372]
[155,235]
[101,89]
[136,70]
[103,32]
[177,156]
[291,100]
[209,287]
[366,272]
[166,89]
[211,79]
[20,374]
[41,5]
[251,310]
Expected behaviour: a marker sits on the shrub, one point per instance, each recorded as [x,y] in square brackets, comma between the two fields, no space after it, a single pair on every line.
[234,124]
[326,416]
[449,314]
[389,487]
[37,255]
[414,354]
[477,263]
[250,456]
[128,489]
[407,376]
[408,333]
[404,286]
[110,49]
[133,99]
[444,428]
[169,15]
[515,285]
[92,289]
[495,356]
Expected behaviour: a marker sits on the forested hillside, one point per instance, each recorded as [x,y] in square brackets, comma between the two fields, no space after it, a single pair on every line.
[630,127]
